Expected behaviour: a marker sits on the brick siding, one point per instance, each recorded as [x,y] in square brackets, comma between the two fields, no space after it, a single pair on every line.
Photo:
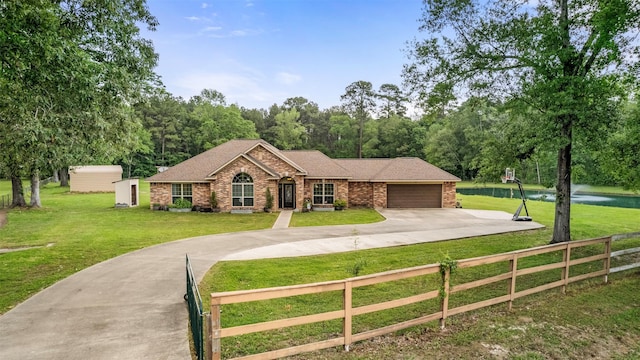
[361,194]
[380,195]
[449,195]
[357,194]
[160,193]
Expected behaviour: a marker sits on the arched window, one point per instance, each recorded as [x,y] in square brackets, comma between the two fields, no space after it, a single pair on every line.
[242,190]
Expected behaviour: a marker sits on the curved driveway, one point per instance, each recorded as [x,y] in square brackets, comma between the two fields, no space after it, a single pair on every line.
[131,307]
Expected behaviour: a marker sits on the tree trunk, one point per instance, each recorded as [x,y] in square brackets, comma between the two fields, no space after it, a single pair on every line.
[35,189]
[561,225]
[360,137]
[56,178]
[64,177]
[17,192]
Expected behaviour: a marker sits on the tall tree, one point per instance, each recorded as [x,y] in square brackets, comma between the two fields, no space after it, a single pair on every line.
[344,129]
[564,58]
[619,156]
[310,117]
[162,115]
[69,71]
[359,101]
[393,101]
[290,133]
[220,124]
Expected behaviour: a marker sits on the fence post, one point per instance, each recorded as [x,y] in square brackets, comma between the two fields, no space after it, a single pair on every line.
[565,272]
[513,264]
[607,260]
[348,305]
[215,328]
[444,294]
[207,332]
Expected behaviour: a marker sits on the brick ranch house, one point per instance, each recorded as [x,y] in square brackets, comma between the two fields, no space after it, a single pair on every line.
[240,171]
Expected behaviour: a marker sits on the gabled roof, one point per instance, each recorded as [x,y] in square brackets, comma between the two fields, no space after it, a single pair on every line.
[312,163]
[249,158]
[409,169]
[204,165]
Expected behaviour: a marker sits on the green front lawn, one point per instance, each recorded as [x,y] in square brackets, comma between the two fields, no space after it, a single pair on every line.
[345,217]
[613,190]
[85,229]
[587,222]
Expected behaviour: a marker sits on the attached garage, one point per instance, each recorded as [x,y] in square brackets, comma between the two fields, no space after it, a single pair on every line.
[414,195]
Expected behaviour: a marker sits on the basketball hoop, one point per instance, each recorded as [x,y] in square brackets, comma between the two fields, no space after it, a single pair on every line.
[509,175]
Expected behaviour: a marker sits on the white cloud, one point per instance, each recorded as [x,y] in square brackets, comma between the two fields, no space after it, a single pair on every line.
[249,4]
[287,78]
[237,33]
[244,89]
[211,28]
[204,5]
[193,18]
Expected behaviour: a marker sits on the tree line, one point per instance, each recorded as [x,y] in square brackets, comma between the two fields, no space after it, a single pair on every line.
[475,140]
[549,88]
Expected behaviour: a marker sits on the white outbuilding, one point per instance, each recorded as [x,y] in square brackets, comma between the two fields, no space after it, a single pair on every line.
[94,178]
[127,193]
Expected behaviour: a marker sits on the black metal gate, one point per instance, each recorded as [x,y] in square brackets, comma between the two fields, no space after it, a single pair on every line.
[197,317]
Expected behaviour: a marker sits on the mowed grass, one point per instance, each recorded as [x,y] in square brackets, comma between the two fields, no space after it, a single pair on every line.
[587,222]
[612,190]
[75,231]
[345,217]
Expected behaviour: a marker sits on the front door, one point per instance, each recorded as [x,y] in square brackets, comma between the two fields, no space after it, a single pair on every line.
[288,196]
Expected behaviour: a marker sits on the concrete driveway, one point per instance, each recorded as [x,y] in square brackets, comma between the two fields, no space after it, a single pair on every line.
[131,307]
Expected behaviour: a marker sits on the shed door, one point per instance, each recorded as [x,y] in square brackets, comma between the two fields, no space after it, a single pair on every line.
[414,196]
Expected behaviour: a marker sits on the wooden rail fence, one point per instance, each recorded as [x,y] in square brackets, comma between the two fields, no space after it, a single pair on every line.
[348,311]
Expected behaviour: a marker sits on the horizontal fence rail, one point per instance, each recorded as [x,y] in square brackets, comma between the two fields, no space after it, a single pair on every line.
[598,261]
[625,252]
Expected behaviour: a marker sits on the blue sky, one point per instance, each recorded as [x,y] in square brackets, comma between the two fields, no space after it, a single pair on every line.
[261,52]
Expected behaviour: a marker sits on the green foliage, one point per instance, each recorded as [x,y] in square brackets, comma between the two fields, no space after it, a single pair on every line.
[345,129]
[559,63]
[164,116]
[290,133]
[213,200]
[358,101]
[393,101]
[356,268]
[619,157]
[341,203]
[448,264]
[69,72]
[268,199]
[219,124]
[181,204]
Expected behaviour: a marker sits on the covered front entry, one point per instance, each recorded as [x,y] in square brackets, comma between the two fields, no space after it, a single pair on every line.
[286,194]
[414,195]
